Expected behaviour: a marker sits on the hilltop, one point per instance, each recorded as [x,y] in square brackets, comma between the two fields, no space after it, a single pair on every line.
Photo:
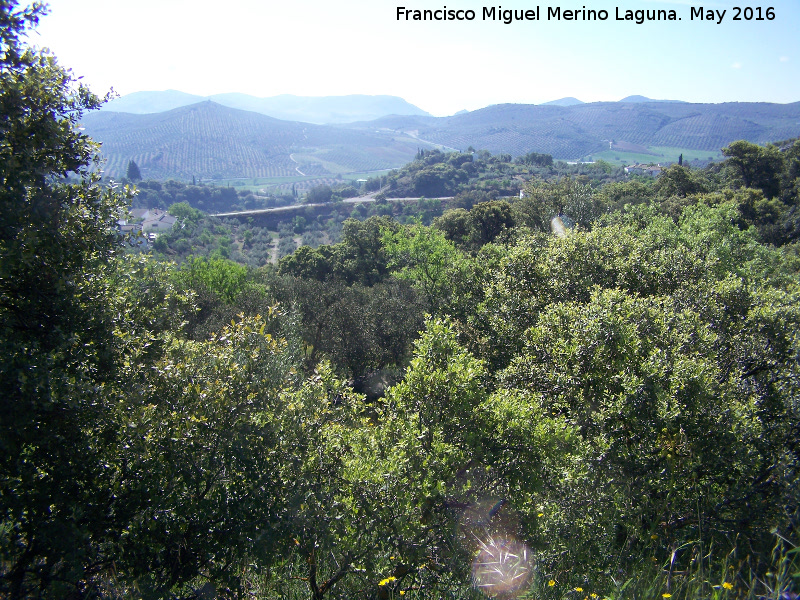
[638,98]
[568,101]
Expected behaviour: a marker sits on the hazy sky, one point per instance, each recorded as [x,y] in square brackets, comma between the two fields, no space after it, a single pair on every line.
[324,48]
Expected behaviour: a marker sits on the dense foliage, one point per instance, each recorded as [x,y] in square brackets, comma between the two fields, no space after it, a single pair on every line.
[476,176]
[475,407]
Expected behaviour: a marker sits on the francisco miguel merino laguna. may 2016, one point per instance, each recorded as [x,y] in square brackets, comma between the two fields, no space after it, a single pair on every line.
[556,13]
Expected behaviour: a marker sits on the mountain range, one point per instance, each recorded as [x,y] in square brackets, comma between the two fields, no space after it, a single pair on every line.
[209,140]
[307,109]
[570,132]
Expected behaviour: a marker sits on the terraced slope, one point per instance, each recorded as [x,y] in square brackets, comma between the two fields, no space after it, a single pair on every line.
[208,140]
[569,132]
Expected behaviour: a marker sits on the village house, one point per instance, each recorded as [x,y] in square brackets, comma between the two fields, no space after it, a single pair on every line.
[651,170]
[150,221]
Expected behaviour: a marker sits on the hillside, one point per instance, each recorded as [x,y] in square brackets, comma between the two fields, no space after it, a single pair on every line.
[570,132]
[208,140]
[307,109]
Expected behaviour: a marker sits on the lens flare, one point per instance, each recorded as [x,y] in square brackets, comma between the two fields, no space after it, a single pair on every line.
[502,568]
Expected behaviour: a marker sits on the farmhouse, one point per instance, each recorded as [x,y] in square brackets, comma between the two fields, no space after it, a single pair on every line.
[651,170]
[158,221]
[152,221]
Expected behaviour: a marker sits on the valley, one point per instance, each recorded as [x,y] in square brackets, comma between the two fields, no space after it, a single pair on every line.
[207,141]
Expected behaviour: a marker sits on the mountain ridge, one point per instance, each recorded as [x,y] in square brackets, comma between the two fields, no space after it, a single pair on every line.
[317,110]
[568,101]
[569,132]
[637,98]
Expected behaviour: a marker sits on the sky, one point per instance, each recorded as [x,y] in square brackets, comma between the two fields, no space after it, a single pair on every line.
[329,48]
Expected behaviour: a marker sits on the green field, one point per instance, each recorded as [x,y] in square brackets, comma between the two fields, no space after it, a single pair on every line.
[254,183]
[657,154]
[270,183]
[365,174]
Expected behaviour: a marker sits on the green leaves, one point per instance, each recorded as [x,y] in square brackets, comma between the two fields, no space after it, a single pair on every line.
[423,255]
[60,354]
[754,166]
[224,278]
[201,475]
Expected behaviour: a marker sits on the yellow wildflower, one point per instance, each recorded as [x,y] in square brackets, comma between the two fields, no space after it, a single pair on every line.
[666,595]
[654,537]
[593,595]
[551,583]
[578,589]
[402,592]
[727,586]
[387,580]
[541,514]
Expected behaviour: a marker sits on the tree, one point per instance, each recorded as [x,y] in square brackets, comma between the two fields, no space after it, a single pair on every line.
[360,256]
[536,159]
[680,181]
[198,463]
[224,278]
[423,255]
[59,351]
[543,201]
[693,439]
[183,210]
[99,389]
[358,329]
[616,195]
[319,194]
[455,224]
[133,173]
[488,220]
[790,180]
[751,165]
[308,263]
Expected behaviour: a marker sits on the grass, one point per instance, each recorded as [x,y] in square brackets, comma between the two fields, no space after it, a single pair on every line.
[365,174]
[660,154]
[693,571]
[311,159]
[258,183]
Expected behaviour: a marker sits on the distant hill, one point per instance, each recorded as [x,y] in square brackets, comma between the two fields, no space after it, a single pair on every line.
[307,109]
[208,140]
[569,132]
[569,101]
[640,99]
[151,102]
